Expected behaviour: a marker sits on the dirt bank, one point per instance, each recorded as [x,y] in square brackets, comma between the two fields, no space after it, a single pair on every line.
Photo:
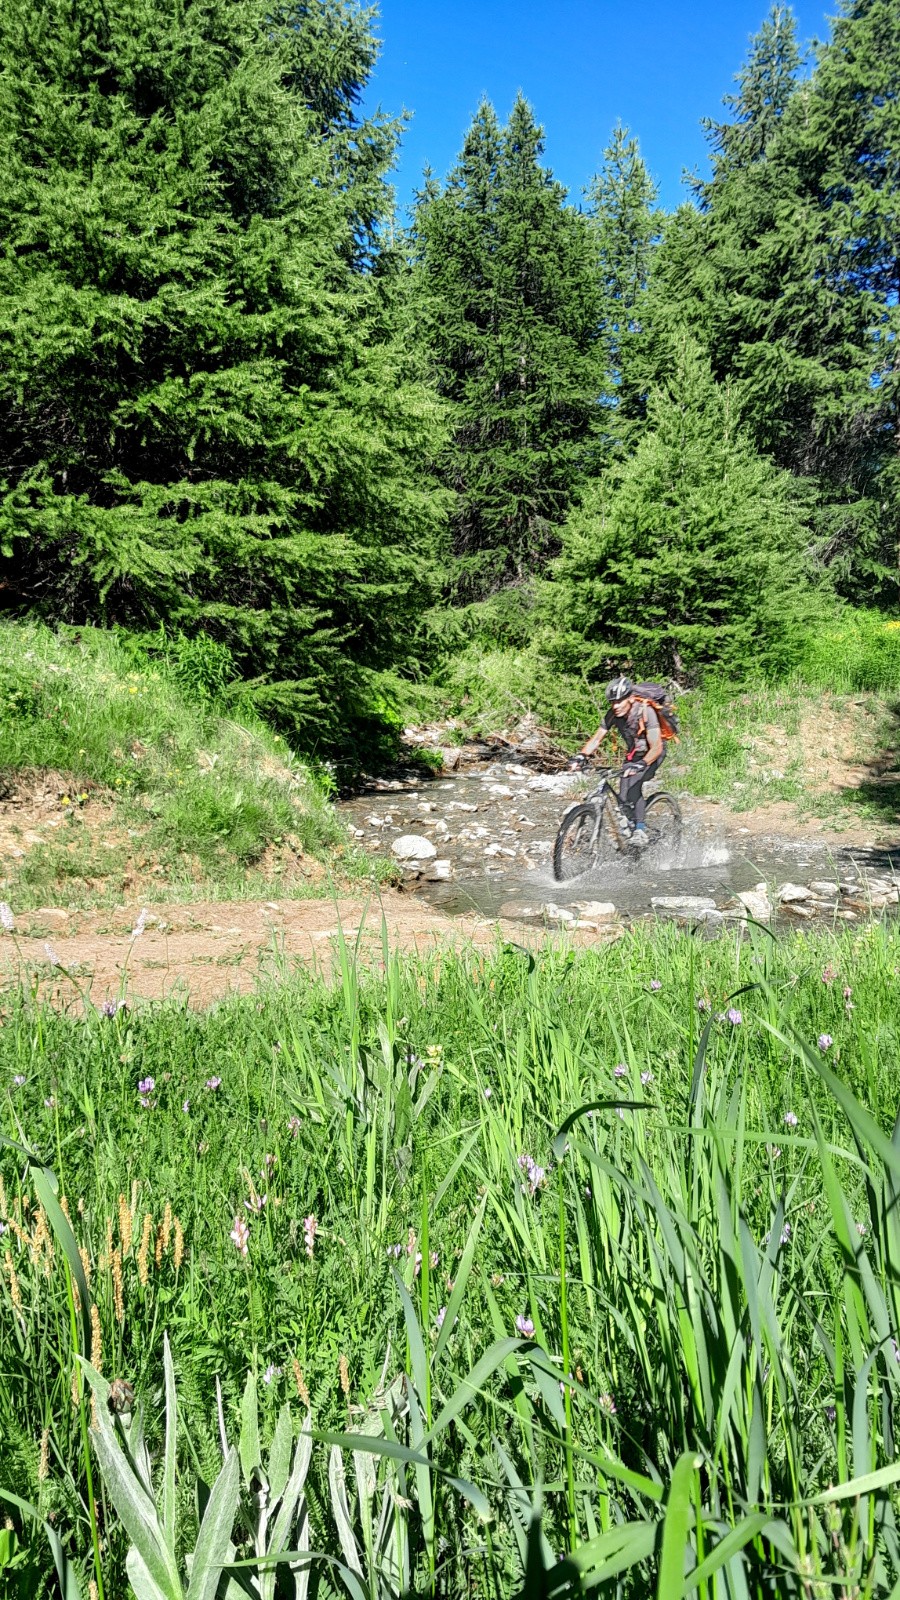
[206,951]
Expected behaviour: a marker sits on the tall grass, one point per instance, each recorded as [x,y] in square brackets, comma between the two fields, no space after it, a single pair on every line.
[585,1266]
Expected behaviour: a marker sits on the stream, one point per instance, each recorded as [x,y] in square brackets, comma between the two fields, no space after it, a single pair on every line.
[493,829]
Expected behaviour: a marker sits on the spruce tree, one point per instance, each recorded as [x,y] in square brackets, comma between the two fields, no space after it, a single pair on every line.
[788,277]
[206,417]
[622,199]
[508,306]
[689,555]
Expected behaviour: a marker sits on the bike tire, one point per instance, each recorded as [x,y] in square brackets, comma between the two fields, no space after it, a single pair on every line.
[663,821]
[574,850]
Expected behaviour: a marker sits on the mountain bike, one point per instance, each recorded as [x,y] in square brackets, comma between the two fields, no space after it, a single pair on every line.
[599,825]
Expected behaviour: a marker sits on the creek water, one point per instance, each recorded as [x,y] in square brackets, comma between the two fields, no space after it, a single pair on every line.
[495,826]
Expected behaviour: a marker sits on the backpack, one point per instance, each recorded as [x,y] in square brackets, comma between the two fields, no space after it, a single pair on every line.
[657,696]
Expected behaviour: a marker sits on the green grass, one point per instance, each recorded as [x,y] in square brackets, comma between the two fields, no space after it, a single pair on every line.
[715,1284]
[153,782]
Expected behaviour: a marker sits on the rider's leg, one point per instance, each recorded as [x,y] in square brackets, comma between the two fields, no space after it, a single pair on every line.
[632,793]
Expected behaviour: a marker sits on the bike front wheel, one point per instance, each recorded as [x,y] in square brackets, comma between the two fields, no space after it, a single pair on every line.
[576,842]
[663,821]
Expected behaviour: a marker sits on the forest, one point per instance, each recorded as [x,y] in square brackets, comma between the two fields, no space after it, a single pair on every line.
[244,400]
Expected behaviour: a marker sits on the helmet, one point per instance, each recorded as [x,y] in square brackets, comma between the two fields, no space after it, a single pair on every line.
[619,689]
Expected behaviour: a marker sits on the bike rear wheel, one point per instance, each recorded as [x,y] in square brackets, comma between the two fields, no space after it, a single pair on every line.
[575,849]
[663,821]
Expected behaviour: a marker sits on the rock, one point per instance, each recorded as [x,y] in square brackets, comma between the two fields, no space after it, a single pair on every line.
[595,910]
[756,903]
[558,913]
[426,805]
[500,790]
[450,757]
[439,872]
[682,902]
[517,911]
[825,888]
[790,893]
[795,908]
[711,918]
[412,847]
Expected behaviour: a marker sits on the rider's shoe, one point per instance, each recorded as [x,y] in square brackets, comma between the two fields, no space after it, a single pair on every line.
[639,836]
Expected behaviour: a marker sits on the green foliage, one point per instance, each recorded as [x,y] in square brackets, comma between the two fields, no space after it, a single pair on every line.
[788,277]
[857,650]
[507,301]
[689,554]
[742,1260]
[626,226]
[209,419]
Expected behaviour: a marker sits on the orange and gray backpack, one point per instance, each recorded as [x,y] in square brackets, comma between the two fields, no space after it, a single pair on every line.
[657,696]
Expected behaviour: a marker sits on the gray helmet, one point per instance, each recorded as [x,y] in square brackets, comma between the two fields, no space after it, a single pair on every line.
[619,689]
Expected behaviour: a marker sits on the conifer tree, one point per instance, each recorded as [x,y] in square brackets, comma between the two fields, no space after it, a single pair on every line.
[508,305]
[689,554]
[788,278]
[206,418]
[622,200]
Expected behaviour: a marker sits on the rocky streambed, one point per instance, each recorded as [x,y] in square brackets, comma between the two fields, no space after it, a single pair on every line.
[481,840]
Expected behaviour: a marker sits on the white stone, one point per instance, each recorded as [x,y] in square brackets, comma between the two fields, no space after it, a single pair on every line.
[791,892]
[756,903]
[595,910]
[796,908]
[439,872]
[558,913]
[412,847]
[824,888]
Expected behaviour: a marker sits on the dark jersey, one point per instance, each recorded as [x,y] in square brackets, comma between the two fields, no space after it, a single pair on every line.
[639,728]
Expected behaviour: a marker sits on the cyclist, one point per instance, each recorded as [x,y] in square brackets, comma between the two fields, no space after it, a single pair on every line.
[639,726]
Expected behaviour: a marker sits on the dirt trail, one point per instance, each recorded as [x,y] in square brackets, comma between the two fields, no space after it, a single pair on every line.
[204,952]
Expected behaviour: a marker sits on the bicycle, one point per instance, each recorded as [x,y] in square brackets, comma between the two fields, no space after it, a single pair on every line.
[599,824]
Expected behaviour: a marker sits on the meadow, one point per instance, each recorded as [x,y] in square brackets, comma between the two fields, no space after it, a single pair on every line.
[530,1274]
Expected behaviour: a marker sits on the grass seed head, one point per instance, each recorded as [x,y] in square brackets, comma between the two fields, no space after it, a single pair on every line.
[15,1292]
[144,1251]
[344,1371]
[85,1263]
[44,1462]
[178,1246]
[96,1341]
[300,1381]
[125,1226]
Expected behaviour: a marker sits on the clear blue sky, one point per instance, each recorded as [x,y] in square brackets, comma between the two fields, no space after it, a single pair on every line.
[582,64]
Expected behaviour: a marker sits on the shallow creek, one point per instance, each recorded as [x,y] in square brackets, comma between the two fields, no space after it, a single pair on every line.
[493,829]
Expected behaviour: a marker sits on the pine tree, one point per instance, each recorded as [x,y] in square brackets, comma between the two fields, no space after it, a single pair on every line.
[206,417]
[627,223]
[689,555]
[508,303]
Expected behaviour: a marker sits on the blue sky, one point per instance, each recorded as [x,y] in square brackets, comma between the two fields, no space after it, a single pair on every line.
[582,63]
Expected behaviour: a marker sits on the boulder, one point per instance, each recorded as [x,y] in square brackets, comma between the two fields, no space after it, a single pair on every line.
[756,902]
[796,908]
[824,888]
[412,847]
[790,893]
[450,757]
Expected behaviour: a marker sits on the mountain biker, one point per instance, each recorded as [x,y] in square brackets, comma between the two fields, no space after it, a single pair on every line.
[639,726]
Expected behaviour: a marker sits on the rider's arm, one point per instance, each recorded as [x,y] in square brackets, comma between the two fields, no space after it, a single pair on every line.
[594,742]
[654,736]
